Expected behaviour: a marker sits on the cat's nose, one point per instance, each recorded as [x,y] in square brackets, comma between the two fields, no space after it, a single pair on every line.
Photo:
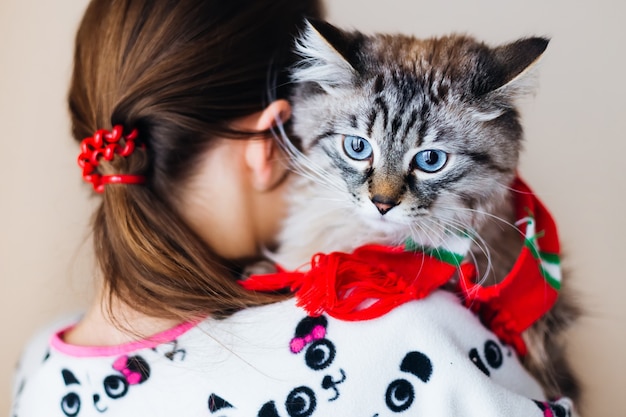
[384,204]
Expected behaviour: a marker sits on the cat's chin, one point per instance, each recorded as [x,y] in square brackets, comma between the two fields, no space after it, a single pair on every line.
[387,225]
[397,231]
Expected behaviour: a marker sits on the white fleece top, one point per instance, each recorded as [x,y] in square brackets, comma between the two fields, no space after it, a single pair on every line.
[430,357]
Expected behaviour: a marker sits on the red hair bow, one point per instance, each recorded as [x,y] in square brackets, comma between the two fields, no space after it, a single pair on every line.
[105,144]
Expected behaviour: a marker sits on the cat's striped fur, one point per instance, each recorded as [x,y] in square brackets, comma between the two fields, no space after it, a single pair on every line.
[414,102]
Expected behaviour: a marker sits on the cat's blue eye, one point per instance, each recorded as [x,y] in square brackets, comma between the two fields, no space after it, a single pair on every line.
[430,160]
[357,148]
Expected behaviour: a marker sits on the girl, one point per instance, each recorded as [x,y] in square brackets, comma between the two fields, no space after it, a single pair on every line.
[167,101]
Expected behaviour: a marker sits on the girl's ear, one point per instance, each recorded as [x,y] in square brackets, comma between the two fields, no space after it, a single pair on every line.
[262,155]
[279,111]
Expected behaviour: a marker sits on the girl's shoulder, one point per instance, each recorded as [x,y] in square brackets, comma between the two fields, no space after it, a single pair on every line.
[37,348]
[426,356]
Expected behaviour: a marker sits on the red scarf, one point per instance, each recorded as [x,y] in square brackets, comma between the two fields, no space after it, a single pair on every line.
[374,279]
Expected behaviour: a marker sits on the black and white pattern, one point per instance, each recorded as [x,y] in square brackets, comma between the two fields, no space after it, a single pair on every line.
[424,358]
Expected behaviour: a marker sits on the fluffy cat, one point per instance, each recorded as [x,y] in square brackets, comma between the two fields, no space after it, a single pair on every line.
[400,137]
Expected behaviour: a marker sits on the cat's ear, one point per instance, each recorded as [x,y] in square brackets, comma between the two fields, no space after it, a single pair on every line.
[324,51]
[510,70]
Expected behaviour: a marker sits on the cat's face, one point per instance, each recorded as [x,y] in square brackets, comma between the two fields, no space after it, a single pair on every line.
[410,135]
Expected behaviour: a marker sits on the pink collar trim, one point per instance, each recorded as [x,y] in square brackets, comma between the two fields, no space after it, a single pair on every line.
[57,343]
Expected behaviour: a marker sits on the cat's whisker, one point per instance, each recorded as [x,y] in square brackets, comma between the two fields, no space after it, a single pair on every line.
[455,226]
[445,246]
[510,189]
[301,163]
[330,209]
[333,199]
[304,166]
[319,176]
[425,233]
[414,232]
[490,216]
[477,241]
[319,179]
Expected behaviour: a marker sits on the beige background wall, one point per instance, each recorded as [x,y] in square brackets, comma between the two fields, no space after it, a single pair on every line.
[574,157]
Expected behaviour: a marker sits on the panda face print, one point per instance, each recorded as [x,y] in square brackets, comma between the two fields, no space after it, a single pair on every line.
[301,402]
[319,356]
[401,393]
[491,358]
[113,386]
[318,353]
[92,394]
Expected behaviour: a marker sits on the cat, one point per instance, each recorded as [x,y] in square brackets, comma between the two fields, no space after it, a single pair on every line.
[398,137]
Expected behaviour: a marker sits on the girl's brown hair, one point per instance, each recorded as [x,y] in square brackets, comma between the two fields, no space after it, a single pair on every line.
[179,71]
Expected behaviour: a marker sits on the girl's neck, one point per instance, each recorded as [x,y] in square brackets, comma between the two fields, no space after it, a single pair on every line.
[104,326]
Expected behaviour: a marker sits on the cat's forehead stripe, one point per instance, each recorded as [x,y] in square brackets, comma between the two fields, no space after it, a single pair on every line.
[371,119]
[428,71]
[382,105]
[379,84]
[483,158]
[354,121]
[411,122]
